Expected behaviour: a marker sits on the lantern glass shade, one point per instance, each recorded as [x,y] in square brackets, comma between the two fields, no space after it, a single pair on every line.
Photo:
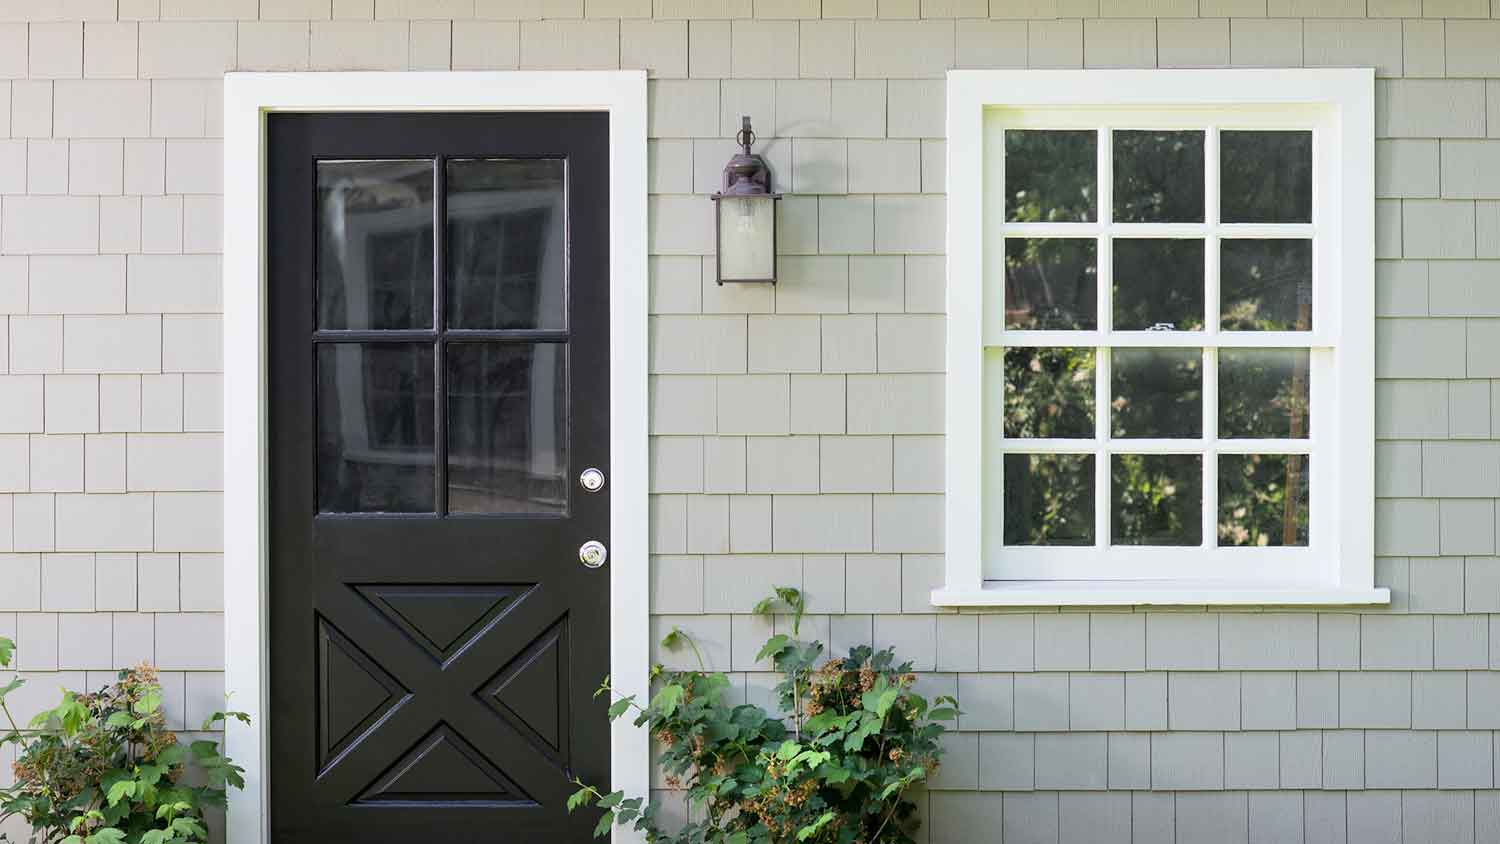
[747,238]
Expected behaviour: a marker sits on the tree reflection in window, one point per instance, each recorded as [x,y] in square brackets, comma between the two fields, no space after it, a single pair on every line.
[1051,176]
[1266,285]
[1049,499]
[1051,283]
[1156,393]
[1158,281]
[1157,499]
[1265,177]
[1263,393]
[1158,176]
[1263,499]
[1049,392]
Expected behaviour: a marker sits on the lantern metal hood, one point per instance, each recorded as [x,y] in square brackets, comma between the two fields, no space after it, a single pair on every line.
[745,216]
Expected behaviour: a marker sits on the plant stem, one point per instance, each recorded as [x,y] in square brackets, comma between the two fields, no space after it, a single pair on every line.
[696,653]
[890,813]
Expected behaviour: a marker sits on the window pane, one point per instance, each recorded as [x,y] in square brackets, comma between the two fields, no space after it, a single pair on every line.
[1265,177]
[1158,284]
[374,244]
[507,428]
[1156,393]
[1158,177]
[1049,499]
[507,244]
[1049,392]
[1051,283]
[1157,499]
[375,428]
[1263,393]
[1266,285]
[1051,176]
[1263,499]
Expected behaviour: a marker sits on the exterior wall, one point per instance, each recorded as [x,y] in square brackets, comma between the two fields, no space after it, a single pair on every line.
[797,431]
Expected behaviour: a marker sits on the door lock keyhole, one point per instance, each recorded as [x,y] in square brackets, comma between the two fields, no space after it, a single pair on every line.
[593,553]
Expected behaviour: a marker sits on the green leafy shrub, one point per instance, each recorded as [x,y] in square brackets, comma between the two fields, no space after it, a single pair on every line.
[836,765]
[102,767]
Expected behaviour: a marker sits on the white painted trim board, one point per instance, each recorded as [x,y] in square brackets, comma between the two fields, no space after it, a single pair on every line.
[248,97]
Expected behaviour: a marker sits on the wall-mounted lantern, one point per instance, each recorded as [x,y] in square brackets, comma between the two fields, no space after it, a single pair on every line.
[746,216]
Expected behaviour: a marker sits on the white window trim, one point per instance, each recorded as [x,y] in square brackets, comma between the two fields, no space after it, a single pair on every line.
[248,98]
[1344,563]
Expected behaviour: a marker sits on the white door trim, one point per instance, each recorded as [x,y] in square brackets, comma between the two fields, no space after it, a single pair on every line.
[248,97]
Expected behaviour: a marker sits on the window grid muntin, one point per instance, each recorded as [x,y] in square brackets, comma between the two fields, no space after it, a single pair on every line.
[1104,230]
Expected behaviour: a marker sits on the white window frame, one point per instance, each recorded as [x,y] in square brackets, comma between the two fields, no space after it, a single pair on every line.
[248,99]
[1338,565]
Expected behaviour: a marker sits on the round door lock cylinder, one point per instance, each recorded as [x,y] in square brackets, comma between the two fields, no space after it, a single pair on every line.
[593,553]
[592,479]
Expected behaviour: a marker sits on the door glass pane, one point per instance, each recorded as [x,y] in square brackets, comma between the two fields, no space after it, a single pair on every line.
[507,428]
[1263,499]
[1265,177]
[1049,392]
[507,243]
[375,428]
[1049,499]
[1051,176]
[1158,177]
[1156,393]
[1158,284]
[1158,499]
[1263,393]
[1051,283]
[374,244]
[1266,285]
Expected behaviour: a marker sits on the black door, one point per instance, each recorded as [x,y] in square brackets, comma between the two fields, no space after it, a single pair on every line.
[438,381]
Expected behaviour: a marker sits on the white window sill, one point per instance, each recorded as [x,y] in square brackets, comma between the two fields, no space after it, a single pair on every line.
[1115,593]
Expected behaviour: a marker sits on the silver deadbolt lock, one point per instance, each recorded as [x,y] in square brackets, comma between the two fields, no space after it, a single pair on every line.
[593,553]
[592,479]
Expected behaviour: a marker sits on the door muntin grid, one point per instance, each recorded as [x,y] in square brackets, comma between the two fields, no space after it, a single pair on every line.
[457,266]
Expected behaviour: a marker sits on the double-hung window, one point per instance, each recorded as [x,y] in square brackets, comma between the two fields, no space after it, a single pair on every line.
[1160,361]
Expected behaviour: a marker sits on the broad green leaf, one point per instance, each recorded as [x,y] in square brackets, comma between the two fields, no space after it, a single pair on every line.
[620,707]
[773,645]
[118,719]
[809,831]
[7,650]
[602,828]
[150,774]
[579,798]
[107,835]
[943,713]
[788,750]
[611,800]
[154,836]
[120,790]
[668,698]
[148,703]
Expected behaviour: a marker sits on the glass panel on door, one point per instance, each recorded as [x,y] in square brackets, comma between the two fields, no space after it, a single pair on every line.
[469,415]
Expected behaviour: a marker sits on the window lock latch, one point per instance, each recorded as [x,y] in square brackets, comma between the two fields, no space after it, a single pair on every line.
[1163,326]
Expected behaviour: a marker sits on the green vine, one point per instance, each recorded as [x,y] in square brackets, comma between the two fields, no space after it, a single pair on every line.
[835,765]
[102,767]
